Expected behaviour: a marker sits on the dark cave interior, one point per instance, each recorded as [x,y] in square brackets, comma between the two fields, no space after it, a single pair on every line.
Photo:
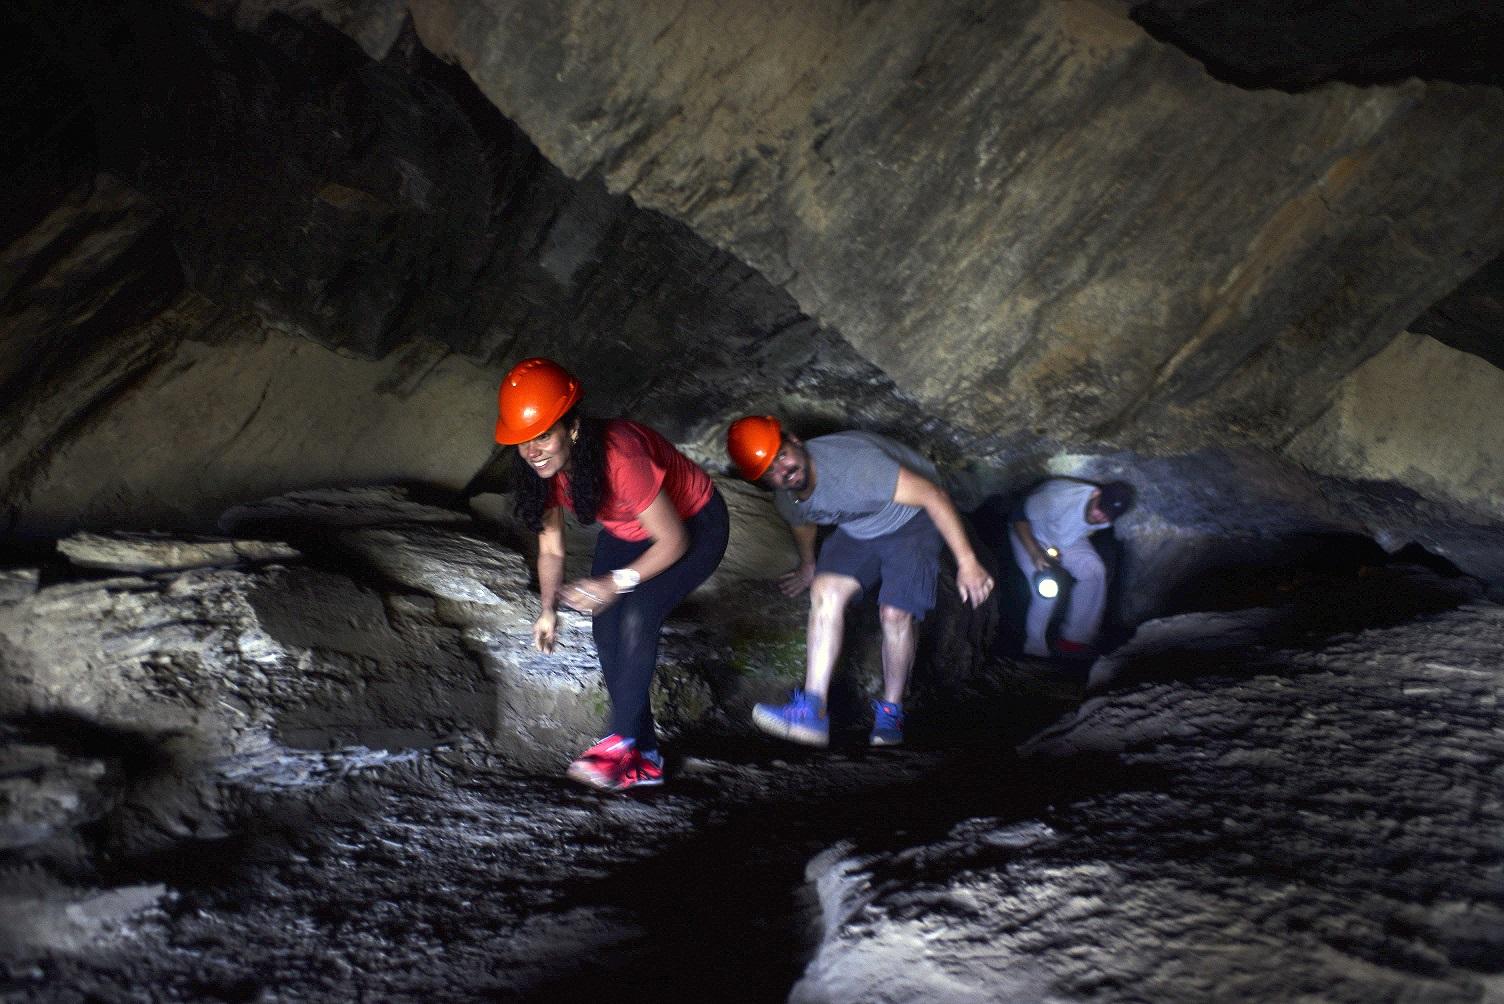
[272,726]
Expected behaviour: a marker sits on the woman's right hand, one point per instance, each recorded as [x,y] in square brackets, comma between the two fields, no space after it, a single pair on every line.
[545,631]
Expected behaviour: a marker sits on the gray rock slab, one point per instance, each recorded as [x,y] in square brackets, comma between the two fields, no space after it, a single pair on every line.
[149,552]
[339,507]
[1029,193]
[17,583]
[45,919]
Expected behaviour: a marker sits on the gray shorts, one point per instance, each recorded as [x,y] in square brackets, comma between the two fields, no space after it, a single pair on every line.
[907,562]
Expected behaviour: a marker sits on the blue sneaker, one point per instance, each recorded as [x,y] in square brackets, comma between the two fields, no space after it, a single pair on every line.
[887,724]
[802,720]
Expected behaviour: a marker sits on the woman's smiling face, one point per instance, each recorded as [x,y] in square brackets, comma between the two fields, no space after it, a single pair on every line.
[548,454]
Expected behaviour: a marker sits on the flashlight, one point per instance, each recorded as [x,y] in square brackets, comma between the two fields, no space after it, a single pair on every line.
[1046,582]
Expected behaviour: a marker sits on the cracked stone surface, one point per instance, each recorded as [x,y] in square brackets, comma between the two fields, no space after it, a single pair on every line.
[288,783]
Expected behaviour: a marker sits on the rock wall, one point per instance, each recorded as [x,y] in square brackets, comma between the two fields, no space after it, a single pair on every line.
[304,268]
[1418,413]
[366,245]
[1030,214]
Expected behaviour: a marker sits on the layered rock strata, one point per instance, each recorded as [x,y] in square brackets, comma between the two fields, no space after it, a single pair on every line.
[1031,216]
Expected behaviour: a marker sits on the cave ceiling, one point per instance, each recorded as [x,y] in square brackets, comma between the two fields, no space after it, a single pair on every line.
[1029,215]
[1003,229]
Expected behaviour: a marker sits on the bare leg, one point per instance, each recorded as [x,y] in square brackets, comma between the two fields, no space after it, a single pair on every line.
[828,596]
[900,642]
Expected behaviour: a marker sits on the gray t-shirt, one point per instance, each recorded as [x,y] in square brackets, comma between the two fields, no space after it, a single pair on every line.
[856,474]
[1056,511]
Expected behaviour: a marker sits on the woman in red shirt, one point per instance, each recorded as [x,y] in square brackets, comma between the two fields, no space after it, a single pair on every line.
[663,531]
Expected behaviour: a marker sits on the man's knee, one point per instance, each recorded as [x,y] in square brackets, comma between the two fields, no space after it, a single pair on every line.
[829,590]
[895,618]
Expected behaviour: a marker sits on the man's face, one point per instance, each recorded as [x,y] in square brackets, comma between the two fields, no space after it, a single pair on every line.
[789,469]
[1095,515]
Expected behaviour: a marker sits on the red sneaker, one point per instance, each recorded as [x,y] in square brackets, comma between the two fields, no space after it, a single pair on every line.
[642,772]
[615,764]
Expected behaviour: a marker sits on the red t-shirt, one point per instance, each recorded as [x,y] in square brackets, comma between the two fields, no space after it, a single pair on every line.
[639,464]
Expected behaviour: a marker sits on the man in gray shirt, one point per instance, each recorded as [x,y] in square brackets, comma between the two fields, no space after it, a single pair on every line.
[1049,533]
[890,518]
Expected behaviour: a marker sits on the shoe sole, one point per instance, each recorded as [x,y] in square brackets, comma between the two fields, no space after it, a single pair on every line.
[775,726]
[585,776]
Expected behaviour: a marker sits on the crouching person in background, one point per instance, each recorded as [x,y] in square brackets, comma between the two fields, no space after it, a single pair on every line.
[1049,533]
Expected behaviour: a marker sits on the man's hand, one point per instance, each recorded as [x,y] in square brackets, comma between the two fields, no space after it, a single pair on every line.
[973,582]
[545,632]
[794,582]
[588,596]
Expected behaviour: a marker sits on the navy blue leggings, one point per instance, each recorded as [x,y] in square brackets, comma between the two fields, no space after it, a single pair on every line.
[626,634]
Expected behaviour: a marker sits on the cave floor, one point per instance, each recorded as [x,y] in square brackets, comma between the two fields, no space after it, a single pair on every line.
[453,877]
[1316,820]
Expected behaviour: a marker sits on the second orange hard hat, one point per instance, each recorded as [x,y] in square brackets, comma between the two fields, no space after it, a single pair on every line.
[753,442]
[533,396]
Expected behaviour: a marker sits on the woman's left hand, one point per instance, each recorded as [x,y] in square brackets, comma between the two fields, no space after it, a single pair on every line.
[588,596]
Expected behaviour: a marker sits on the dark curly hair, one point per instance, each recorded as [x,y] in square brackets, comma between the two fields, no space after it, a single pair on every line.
[587,475]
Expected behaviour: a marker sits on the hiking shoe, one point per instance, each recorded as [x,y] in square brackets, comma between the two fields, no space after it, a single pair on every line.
[887,724]
[644,771]
[802,720]
[615,764]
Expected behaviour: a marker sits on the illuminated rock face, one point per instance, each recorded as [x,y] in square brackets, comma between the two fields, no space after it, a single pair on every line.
[1418,413]
[1031,217]
[301,268]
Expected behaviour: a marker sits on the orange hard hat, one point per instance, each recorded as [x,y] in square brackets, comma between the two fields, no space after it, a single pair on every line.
[753,442]
[534,396]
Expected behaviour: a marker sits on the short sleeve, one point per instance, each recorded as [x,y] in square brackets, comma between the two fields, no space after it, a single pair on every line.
[635,476]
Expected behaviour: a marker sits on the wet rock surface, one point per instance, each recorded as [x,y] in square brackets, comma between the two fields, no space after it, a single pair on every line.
[292,782]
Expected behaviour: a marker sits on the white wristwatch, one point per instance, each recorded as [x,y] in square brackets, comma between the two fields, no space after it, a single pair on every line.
[625,579]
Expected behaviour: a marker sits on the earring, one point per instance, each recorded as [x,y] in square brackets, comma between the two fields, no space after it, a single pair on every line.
[574,435]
